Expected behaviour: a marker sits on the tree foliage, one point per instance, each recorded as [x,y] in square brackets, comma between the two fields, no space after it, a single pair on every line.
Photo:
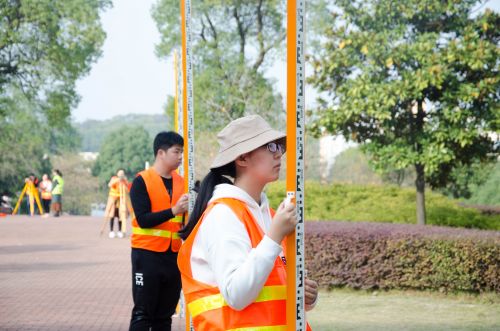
[487,193]
[26,141]
[93,132]
[81,189]
[127,148]
[352,167]
[416,82]
[45,46]
[233,41]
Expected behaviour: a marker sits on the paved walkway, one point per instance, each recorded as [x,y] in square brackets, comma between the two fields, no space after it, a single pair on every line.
[58,274]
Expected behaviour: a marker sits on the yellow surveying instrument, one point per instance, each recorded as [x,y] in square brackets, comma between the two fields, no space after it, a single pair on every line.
[30,189]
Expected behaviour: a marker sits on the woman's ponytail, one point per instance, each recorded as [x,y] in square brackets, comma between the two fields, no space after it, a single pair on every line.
[213,178]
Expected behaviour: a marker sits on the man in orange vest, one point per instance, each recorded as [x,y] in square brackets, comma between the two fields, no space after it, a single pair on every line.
[159,202]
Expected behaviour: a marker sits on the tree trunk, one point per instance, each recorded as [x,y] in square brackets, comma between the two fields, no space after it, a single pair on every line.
[420,185]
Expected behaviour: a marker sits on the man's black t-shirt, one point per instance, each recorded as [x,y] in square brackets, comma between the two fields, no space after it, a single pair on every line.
[142,204]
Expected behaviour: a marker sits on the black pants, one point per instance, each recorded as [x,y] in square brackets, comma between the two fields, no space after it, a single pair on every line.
[112,221]
[46,205]
[156,286]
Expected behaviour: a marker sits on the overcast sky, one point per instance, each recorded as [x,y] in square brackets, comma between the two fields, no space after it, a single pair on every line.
[129,78]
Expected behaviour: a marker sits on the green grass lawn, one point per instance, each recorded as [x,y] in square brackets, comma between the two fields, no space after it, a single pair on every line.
[344,309]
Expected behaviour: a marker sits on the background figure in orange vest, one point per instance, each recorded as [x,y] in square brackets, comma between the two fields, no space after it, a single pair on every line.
[113,202]
[232,261]
[159,202]
[46,193]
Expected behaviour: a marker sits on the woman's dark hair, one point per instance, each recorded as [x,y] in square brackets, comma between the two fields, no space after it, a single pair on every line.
[214,177]
[57,171]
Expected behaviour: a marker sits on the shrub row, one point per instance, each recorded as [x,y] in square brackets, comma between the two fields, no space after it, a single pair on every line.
[388,204]
[397,256]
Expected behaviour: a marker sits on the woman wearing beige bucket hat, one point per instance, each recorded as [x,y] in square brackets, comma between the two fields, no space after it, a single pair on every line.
[232,263]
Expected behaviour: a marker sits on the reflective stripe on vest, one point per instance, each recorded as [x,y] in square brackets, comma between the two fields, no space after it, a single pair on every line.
[152,232]
[177,219]
[159,232]
[216,301]
[262,328]
[209,310]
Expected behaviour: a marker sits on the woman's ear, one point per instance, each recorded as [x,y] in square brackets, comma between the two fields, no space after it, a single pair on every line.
[242,160]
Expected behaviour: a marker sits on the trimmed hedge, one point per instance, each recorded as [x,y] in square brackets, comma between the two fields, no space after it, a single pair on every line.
[388,204]
[396,256]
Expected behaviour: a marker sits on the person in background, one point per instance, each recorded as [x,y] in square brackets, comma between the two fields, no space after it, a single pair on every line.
[57,192]
[113,203]
[46,194]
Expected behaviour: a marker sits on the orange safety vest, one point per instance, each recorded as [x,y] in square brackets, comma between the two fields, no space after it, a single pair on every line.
[46,195]
[209,310]
[161,237]
[114,190]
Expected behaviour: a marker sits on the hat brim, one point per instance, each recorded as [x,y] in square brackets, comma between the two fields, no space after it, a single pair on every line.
[232,153]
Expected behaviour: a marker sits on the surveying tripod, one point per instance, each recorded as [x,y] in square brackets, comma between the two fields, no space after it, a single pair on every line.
[30,189]
[125,207]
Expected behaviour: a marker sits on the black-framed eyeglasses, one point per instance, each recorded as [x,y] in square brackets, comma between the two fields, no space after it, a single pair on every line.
[274,147]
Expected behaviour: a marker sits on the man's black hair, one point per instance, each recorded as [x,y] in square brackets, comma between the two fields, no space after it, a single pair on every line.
[164,140]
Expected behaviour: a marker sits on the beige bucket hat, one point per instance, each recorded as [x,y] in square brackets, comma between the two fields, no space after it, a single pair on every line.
[241,136]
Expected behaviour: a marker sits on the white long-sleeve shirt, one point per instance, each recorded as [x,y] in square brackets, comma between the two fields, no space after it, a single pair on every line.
[222,253]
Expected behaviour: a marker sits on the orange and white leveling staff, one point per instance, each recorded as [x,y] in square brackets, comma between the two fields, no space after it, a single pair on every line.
[188,112]
[295,314]
[178,128]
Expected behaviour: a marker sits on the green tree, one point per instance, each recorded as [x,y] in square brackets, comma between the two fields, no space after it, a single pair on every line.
[464,178]
[45,46]
[487,193]
[27,141]
[127,148]
[81,189]
[352,166]
[93,132]
[416,82]
[233,41]
[22,151]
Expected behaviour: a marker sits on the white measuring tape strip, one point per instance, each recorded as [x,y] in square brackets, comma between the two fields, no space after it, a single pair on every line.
[180,117]
[190,105]
[299,232]
[188,71]
[300,155]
